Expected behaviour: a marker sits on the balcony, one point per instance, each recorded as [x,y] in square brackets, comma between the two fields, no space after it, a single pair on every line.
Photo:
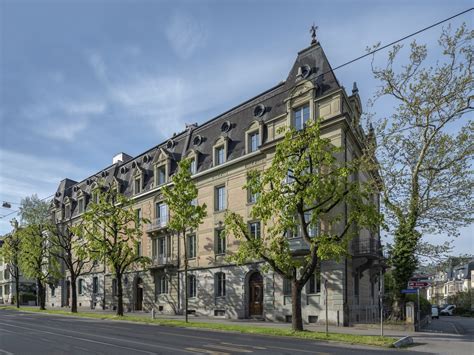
[298,246]
[163,261]
[367,247]
[158,224]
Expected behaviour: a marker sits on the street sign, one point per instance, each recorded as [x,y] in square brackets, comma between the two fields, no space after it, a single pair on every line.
[410,290]
[418,284]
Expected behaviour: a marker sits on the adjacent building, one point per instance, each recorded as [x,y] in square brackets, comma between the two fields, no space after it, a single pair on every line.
[222,151]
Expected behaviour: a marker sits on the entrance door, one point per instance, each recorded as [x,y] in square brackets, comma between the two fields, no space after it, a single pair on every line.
[255,295]
[139,295]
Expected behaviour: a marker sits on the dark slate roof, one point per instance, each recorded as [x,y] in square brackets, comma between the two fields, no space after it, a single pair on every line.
[240,117]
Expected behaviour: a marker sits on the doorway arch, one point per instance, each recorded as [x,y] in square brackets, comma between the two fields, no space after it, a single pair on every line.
[255,296]
[139,294]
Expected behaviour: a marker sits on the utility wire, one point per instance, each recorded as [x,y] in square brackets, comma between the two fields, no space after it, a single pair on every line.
[333,69]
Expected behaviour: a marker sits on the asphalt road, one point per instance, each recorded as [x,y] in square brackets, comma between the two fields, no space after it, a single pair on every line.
[29,333]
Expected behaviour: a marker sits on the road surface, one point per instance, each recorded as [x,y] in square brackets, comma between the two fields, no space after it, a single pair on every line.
[30,333]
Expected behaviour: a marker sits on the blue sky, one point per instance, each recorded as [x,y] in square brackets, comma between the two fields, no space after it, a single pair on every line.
[83,80]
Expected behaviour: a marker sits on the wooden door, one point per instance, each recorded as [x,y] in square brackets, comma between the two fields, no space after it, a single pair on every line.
[139,295]
[255,295]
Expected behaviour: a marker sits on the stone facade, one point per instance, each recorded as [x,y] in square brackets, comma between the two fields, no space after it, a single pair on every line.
[224,149]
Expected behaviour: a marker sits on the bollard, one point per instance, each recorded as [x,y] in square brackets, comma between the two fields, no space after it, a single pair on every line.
[153,313]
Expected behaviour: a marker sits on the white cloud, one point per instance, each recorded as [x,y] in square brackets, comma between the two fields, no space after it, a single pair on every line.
[185,35]
[22,175]
[62,119]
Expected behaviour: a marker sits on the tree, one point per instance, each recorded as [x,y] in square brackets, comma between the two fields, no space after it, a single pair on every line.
[112,233]
[69,248]
[425,151]
[10,252]
[186,214]
[304,192]
[35,259]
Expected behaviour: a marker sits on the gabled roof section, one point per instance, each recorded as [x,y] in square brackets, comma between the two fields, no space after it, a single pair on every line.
[321,71]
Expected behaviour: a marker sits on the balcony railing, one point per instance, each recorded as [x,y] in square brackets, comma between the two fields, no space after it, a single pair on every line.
[298,245]
[366,247]
[158,261]
[157,224]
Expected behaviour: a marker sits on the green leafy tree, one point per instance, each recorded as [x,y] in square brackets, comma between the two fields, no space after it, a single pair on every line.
[186,215]
[426,147]
[304,192]
[35,258]
[10,252]
[112,233]
[69,249]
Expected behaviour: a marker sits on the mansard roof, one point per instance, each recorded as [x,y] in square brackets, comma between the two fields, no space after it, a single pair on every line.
[239,117]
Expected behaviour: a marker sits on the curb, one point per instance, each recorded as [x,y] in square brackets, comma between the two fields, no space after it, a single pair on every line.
[403,342]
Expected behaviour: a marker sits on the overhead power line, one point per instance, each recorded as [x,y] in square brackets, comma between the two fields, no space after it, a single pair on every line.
[339,67]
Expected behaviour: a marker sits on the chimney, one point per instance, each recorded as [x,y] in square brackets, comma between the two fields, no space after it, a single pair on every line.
[121,158]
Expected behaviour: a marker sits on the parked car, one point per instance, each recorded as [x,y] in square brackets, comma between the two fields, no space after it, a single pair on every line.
[448,311]
[434,312]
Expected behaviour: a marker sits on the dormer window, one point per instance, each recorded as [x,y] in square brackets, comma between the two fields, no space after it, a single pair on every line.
[161,175]
[137,185]
[253,137]
[254,141]
[162,168]
[67,211]
[300,117]
[192,166]
[220,155]
[80,205]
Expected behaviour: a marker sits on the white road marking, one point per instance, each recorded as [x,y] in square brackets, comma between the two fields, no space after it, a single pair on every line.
[4,352]
[246,346]
[112,338]
[222,347]
[83,339]
[206,351]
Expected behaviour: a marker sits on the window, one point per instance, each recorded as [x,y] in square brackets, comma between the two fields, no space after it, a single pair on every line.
[80,205]
[286,287]
[193,166]
[137,186]
[220,241]
[53,291]
[161,175]
[80,286]
[300,117]
[191,246]
[219,155]
[220,198]
[162,285]
[253,141]
[7,290]
[192,286]
[68,211]
[95,196]
[161,247]
[139,248]
[138,216]
[95,285]
[220,284]
[314,283]
[162,214]
[251,196]
[254,230]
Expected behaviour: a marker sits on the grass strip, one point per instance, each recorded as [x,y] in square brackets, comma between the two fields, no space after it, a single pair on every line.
[247,329]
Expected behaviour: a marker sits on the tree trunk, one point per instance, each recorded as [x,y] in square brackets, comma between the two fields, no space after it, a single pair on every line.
[17,287]
[41,295]
[185,279]
[119,294]
[73,295]
[296,317]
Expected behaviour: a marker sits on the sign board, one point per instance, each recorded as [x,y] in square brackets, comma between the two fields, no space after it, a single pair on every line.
[410,290]
[418,284]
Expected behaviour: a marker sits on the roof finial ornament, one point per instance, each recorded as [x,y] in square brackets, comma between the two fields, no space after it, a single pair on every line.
[312,30]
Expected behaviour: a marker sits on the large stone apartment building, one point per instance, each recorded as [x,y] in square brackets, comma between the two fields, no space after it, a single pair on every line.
[223,150]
